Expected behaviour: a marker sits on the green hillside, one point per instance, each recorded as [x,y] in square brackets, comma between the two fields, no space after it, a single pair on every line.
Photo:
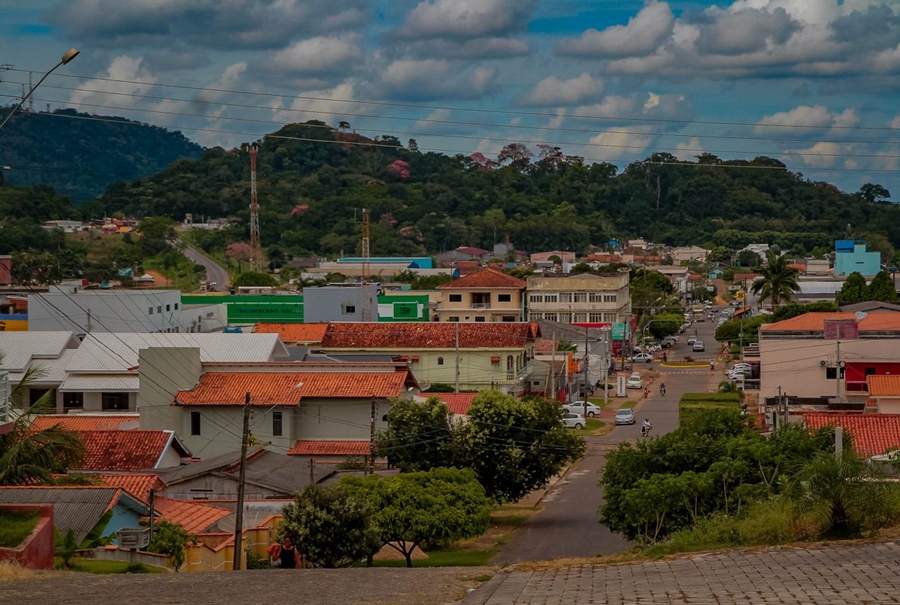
[80,155]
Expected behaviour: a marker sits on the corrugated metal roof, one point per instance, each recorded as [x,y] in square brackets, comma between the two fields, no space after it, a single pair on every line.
[53,371]
[76,508]
[20,348]
[101,382]
[115,353]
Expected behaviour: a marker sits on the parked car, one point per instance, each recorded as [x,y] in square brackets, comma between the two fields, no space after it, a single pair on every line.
[625,416]
[574,421]
[578,407]
[635,382]
[643,357]
[698,346]
[668,341]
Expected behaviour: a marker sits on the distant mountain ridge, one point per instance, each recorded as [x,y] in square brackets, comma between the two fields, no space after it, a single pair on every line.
[80,154]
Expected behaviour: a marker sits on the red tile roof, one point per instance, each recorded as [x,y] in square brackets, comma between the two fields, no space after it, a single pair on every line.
[136,484]
[293,332]
[122,450]
[497,335]
[872,434]
[471,250]
[815,322]
[458,403]
[288,388]
[883,386]
[194,517]
[331,448]
[86,422]
[486,278]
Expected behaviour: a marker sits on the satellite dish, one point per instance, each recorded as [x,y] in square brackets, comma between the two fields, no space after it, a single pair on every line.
[860,315]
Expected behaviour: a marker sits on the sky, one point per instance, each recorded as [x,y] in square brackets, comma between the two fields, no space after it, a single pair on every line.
[812,83]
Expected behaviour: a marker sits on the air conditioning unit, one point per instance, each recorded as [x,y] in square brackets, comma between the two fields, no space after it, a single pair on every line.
[823,363]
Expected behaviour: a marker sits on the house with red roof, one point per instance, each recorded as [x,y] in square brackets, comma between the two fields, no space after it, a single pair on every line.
[294,333]
[458,403]
[835,356]
[490,355]
[87,422]
[872,434]
[463,253]
[128,451]
[486,296]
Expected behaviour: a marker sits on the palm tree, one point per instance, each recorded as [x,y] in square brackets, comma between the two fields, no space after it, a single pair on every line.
[778,283]
[842,494]
[28,457]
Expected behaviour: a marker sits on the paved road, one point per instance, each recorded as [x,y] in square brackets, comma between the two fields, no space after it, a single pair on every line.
[568,526]
[215,272]
[835,574]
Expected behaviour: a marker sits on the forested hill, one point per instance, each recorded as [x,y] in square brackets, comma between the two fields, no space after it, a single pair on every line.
[313,181]
[79,154]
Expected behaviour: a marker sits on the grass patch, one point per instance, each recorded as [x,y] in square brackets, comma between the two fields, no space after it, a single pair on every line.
[628,404]
[593,427]
[100,566]
[11,570]
[445,558]
[15,527]
[598,401]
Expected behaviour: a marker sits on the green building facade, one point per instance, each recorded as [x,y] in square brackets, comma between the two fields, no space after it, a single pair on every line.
[247,309]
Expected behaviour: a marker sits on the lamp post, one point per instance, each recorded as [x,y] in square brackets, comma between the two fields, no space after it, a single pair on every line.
[66,58]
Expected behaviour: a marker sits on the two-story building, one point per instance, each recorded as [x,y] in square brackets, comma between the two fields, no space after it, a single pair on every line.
[486,296]
[850,256]
[494,355]
[828,355]
[581,298]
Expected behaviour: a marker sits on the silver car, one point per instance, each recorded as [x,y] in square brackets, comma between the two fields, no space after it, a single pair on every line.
[573,421]
[578,407]
[625,416]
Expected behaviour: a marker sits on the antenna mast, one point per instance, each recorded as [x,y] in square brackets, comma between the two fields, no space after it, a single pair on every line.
[256,253]
[366,254]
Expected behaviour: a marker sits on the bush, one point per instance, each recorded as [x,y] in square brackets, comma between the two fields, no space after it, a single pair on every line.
[694,404]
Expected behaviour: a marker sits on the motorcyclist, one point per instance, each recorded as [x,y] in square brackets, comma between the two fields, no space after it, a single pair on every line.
[712,365]
[662,389]
[645,427]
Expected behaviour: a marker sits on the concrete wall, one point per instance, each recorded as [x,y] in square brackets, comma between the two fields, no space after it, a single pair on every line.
[93,402]
[114,553]
[159,385]
[866,263]
[208,557]
[36,552]
[220,428]
[338,420]
[122,517]
[215,488]
[331,303]
[118,311]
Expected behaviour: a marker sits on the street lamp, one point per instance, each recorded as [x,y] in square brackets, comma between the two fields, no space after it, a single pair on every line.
[66,58]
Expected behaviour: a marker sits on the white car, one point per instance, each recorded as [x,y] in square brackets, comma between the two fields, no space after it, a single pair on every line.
[635,382]
[573,421]
[643,357]
[692,340]
[578,407]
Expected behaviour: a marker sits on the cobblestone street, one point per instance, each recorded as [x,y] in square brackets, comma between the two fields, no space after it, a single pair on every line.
[827,574]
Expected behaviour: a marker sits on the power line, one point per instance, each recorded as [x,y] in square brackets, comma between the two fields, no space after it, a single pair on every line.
[452,108]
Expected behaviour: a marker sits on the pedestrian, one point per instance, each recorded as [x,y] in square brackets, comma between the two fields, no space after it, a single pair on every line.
[665,357]
[283,555]
[646,392]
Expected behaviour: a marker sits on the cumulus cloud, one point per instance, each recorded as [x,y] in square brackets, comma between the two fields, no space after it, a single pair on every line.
[219,24]
[135,79]
[621,109]
[643,34]
[317,55]
[433,79]
[751,30]
[553,91]
[808,118]
[618,144]
[688,152]
[466,18]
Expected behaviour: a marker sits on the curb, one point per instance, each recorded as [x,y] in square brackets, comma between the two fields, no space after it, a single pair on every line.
[483,593]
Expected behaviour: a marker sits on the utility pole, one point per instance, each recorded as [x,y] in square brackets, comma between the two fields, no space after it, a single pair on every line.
[607,350]
[372,439]
[456,387]
[152,494]
[312,471]
[256,250]
[586,381]
[239,516]
[88,321]
[837,368]
[553,368]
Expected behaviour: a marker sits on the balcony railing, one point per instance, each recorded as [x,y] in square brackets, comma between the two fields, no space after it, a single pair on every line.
[513,375]
[481,305]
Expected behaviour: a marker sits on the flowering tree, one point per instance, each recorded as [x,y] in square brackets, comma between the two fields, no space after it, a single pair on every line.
[482,161]
[239,252]
[399,169]
[299,209]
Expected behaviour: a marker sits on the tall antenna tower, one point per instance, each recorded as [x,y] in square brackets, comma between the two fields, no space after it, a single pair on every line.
[256,251]
[366,253]
[30,99]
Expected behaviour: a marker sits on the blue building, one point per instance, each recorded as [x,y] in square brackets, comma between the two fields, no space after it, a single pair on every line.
[851,255]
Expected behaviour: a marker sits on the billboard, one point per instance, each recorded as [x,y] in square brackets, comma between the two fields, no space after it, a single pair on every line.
[246,309]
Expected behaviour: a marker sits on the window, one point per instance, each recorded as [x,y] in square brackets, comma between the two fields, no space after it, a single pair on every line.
[35,394]
[551,298]
[609,317]
[453,318]
[150,311]
[504,298]
[565,297]
[73,400]
[536,298]
[565,318]
[595,297]
[479,318]
[536,316]
[195,423]
[508,318]
[276,424]
[551,316]
[168,308]
[159,309]
[580,297]
[114,401]
[440,361]
[595,317]
[580,318]
[176,306]
[830,373]
[609,298]
[456,298]
[349,309]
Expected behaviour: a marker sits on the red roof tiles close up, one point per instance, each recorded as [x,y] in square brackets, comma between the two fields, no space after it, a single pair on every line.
[872,434]
[293,332]
[136,484]
[86,422]
[815,322]
[459,403]
[331,448]
[194,517]
[356,335]
[122,450]
[881,385]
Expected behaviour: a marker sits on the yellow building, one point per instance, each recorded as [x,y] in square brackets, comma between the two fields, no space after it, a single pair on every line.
[486,296]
